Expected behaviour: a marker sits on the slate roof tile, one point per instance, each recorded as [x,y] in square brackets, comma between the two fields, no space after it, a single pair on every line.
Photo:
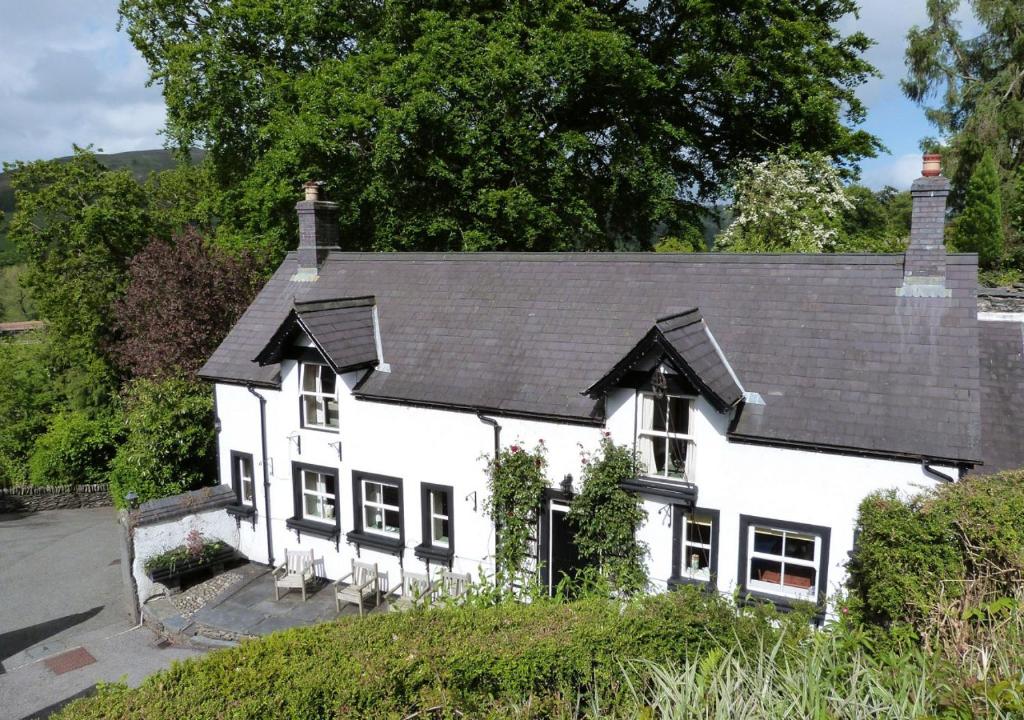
[526,333]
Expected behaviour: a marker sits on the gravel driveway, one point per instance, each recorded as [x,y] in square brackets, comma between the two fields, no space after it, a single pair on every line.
[63,624]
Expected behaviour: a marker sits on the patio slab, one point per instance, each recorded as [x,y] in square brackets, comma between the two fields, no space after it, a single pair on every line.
[250,610]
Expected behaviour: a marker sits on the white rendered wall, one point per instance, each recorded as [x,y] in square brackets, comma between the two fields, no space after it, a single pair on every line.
[159,537]
[447,448]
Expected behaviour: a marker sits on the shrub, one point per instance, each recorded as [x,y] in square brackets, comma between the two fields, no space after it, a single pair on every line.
[516,481]
[605,518]
[170,443]
[27,397]
[76,448]
[915,554]
[476,660]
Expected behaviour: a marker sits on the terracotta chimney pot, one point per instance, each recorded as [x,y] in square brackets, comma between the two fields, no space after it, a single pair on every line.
[932,165]
[312,189]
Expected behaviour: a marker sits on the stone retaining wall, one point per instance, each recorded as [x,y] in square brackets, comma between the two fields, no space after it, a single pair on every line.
[1004,300]
[31,498]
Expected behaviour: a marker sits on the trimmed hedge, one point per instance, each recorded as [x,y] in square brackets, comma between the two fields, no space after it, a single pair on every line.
[911,552]
[474,659]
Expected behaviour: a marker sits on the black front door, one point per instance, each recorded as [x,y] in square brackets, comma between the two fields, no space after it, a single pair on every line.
[559,555]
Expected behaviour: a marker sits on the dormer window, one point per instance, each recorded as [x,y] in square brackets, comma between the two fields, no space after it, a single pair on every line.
[664,441]
[319,396]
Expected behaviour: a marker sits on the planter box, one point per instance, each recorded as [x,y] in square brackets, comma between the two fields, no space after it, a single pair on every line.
[172,578]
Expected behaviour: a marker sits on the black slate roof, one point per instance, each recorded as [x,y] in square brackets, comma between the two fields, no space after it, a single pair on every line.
[840,360]
[685,340]
[341,329]
[1002,394]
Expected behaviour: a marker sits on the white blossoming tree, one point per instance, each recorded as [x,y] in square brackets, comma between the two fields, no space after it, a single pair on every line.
[786,204]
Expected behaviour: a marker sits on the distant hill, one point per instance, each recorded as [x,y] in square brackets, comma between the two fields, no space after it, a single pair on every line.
[140,162]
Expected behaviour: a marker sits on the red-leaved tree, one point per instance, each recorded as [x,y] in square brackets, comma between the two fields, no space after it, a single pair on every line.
[182,298]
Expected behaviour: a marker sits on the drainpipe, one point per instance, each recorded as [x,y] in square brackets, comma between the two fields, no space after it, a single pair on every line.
[497,432]
[497,451]
[266,472]
[935,473]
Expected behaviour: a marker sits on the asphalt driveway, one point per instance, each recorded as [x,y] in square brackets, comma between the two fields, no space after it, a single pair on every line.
[63,623]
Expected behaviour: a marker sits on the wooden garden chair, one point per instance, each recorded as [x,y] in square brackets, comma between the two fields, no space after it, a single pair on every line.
[416,590]
[294,573]
[359,585]
[453,585]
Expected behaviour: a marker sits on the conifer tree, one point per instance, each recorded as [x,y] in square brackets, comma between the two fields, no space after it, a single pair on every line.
[980,227]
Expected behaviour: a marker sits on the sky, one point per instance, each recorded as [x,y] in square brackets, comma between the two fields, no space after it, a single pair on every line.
[68,76]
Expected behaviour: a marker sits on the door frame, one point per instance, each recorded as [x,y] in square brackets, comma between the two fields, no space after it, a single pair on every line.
[552,497]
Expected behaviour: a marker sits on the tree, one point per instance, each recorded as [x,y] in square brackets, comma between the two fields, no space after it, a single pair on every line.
[786,204]
[875,221]
[547,125]
[182,298]
[979,82]
[170,445]
[979,228]
[28,395]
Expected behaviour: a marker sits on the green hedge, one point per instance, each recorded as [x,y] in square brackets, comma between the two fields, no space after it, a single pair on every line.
[75,449]
[476,660]
[911,551]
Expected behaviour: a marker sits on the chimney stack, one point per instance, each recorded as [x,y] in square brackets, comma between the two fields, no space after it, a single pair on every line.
[924,264]
[318,231]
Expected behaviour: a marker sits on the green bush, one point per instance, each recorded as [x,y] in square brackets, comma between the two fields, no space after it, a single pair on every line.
[75,449]
[27,397]
[914,553]
[477,660]
[170,443]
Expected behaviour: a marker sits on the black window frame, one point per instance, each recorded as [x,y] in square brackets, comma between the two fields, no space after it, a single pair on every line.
[783,602]
[677,578]
[359,536]
[241,508]
[426,550]
[314,526]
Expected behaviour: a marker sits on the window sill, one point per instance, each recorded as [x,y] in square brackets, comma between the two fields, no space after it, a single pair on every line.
[782,603]
[671,491]
[315,428]
[312,527]
[393,546]
[241,511]
[678,581]
[430,553]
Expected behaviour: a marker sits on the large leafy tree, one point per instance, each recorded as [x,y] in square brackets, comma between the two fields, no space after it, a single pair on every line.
[979,228]
[977,84]
[497,124]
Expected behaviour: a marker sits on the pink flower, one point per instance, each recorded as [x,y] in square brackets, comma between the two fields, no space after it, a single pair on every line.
[514,448]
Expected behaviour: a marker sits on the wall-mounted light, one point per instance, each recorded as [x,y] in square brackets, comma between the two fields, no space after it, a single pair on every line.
[337,446]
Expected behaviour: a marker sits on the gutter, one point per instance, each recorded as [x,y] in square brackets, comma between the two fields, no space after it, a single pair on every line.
[266,472]
[927,467]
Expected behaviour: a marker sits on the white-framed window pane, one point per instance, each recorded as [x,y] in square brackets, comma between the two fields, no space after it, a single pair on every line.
[658,413]
[310,480]
[331,413]
[390,495]
[374,518]
[328,381]
[699,532]
[312,508]
[799,577]
[247,490]
[311,409]
[698,560]
[768,542]
[676,456]
[766,571]
[372,492]
[392,518]
[799,547]
[440,503]
[440,532]
[309,377]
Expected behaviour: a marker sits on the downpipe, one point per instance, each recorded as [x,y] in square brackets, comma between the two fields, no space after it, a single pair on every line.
[927,467]
[266,471]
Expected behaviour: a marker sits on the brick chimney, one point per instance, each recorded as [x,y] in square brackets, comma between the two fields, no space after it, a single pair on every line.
[924,264]
[318,231]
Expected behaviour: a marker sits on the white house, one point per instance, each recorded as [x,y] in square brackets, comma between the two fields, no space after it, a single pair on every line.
[767,395]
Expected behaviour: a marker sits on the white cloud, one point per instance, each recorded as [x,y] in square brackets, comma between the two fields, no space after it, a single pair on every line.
[898,172]
[67,76]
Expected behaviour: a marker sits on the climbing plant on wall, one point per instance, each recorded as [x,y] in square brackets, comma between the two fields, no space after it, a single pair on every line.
[605,518]
[517,482]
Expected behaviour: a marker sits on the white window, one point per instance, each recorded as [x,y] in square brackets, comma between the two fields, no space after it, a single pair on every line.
[243,471]
[664,439]
[440,519]
[696,550]
[783,562]
[318,388]
[319,496]
[382,509]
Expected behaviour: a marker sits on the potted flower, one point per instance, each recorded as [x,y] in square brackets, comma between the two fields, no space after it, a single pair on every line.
[197,554]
